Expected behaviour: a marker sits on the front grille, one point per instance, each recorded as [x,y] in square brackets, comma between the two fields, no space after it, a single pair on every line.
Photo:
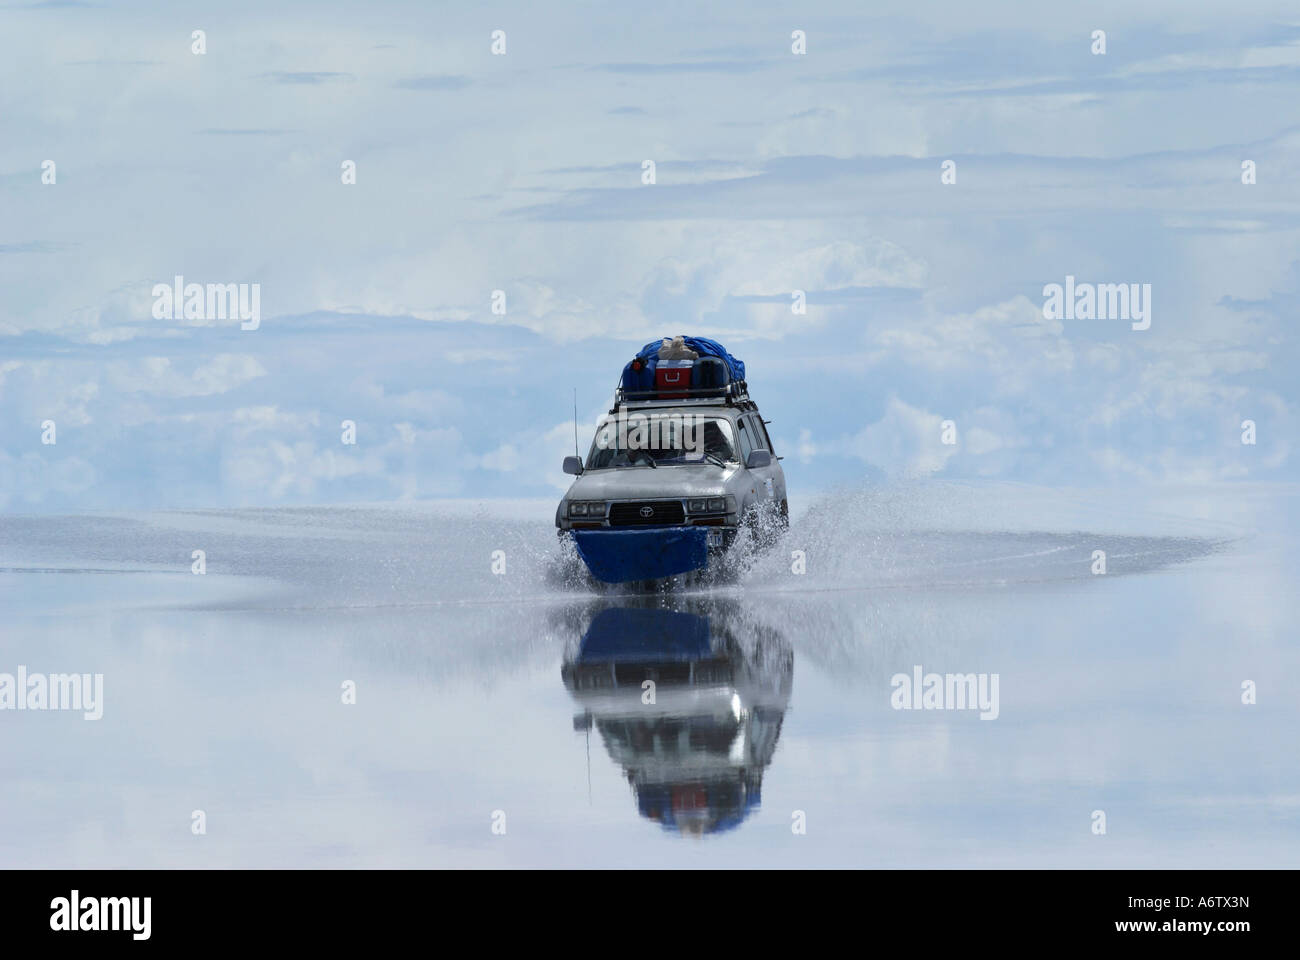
[634,674]
[661,513]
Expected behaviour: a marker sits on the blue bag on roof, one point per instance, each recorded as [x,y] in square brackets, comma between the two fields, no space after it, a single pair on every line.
[639,374]
[711,373]
[705,348]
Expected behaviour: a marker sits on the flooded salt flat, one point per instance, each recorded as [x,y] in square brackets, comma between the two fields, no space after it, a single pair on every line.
[503,719]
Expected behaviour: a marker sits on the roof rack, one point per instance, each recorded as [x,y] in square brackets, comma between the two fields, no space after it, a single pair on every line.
[735,393]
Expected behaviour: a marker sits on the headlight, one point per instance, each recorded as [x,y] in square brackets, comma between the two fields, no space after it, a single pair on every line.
[586,508]
[577,508]
[711,505]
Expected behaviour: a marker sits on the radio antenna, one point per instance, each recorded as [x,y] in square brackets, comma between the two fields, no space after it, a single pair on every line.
[575,423]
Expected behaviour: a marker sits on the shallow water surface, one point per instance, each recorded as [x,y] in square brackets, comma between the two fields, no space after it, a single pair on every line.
[507,720]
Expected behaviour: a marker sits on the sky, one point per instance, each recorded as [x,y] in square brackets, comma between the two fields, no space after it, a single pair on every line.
[524,172]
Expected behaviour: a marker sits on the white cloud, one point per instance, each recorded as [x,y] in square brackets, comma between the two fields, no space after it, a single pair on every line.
[833,266]
[905,442]
[504,458]
[158,376]
[33,478]
[275,470]
[805,448]
[247,421]
[1010,343]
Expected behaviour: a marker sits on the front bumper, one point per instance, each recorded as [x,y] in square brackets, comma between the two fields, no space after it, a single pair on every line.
[615,555]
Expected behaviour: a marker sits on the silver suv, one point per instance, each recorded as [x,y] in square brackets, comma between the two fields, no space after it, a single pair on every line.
[669,483]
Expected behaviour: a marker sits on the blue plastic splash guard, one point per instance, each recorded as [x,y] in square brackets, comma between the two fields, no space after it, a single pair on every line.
[616,556]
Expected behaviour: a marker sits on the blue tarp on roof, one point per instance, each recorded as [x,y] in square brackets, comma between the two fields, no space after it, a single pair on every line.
[705,348]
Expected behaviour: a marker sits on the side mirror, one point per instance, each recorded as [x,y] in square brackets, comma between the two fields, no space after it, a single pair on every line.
[759,458]
[573,465]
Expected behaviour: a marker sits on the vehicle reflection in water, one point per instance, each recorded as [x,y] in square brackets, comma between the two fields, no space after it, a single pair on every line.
[695,756]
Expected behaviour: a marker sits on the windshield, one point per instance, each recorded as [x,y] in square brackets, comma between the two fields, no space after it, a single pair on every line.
[640,439]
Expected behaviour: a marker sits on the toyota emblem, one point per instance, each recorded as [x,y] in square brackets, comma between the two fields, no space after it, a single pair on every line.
[647,511]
